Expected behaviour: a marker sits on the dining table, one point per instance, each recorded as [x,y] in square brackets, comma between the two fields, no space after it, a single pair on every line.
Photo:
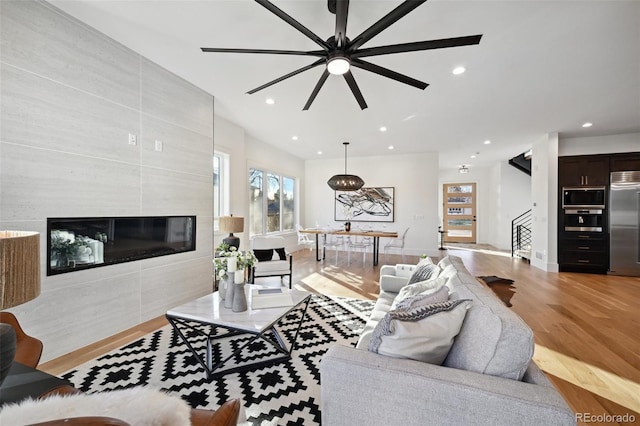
[374,234]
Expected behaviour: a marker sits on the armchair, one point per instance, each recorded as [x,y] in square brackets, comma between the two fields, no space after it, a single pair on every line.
[273,259]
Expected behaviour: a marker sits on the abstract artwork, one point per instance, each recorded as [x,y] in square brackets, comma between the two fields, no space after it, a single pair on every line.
[365,205]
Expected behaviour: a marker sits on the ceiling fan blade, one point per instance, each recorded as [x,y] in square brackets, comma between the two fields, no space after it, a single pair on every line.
[385,72]
[284,77]
[418,45]
[295,24]
[342,11]
[265,51]
[355,89]
[386,21]
[316,89]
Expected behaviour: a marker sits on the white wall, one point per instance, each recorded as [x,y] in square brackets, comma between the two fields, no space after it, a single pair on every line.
[544,194]
[415,179]
[246,151]
[70,98]
[627,142]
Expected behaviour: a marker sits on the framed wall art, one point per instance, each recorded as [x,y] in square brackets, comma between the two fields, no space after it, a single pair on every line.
[365,205]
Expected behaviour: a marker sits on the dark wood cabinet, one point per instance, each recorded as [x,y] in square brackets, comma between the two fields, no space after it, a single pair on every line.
[583,170]
[583,252]
[588,251]
[625,162]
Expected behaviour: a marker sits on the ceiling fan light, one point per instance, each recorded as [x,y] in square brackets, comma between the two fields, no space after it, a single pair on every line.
[338,65]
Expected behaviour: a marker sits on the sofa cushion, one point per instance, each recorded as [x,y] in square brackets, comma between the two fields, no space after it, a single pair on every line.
[381,307]
[493,341]
[423,333]
[272,266]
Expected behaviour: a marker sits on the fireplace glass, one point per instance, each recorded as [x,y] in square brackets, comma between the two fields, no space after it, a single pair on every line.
[81,243]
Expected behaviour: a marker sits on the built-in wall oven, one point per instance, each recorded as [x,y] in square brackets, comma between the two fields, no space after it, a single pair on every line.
[583,220]
[583,207]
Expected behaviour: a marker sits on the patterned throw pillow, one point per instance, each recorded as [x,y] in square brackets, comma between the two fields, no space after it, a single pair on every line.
[423,333]
[427,298]
[422,272]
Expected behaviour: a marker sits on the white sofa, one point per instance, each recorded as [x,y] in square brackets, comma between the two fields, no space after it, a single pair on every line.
[278,263]
[487,378]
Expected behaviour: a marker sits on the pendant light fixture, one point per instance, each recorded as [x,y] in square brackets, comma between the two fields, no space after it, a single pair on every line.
[345,182]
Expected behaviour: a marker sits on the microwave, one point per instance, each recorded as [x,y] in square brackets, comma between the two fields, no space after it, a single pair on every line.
[583,197]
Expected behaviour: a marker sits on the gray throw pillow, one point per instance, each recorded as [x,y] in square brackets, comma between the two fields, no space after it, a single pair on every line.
[422,273]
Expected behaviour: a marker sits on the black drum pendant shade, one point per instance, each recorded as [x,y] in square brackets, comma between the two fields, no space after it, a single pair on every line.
[345,182]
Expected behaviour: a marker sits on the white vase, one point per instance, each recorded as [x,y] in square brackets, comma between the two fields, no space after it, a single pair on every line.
[238,276]
[232,264]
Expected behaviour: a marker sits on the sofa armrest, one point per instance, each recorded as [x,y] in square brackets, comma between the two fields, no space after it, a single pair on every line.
[417,393]
[392,284]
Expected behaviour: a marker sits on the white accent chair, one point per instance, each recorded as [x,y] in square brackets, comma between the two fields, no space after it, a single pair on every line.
[271,264]
[396,243]
[303,239]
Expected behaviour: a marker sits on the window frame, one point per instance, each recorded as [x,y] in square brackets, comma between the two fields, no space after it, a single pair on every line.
[265,203]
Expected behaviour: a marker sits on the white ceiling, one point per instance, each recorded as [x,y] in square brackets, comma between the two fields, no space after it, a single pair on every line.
[542,66]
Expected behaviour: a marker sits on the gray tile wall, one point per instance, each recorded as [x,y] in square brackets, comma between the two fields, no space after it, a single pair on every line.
[69,97]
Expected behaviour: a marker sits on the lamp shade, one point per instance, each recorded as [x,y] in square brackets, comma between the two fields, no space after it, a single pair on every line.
[345,182]
[19,267]
[231,224]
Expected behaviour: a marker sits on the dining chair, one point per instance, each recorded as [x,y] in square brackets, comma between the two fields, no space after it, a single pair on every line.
[333,242]
[358,243]
[396,243]
[303,239]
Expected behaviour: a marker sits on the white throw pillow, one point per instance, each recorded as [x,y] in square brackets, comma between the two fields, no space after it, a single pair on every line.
[432,285]
[425,333]
[429,297]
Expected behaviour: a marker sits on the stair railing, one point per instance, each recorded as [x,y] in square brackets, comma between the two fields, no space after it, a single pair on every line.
[521,233]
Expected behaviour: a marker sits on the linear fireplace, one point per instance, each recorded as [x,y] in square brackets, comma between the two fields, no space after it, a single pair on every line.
[81,243]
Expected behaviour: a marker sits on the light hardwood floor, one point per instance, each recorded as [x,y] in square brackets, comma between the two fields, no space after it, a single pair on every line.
[585,326]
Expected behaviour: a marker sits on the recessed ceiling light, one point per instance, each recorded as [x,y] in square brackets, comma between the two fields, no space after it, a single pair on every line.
[295,138]
[270,101]
[487,142]
[587,124]
[319,152]
[383,129]
[459,70]
[473,156]
[391,147]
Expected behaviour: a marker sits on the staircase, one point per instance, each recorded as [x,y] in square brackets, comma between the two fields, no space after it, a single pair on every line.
[521,236]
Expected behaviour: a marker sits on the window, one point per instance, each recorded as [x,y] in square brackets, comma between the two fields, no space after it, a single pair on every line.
[220,187]
[276,211]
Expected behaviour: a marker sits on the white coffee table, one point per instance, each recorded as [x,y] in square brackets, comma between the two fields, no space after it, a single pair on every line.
[210,310]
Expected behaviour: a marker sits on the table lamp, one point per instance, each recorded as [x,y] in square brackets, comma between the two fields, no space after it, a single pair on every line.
[232,224]
[19,283]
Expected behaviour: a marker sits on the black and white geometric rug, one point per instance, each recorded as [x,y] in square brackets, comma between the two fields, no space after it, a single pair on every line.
[287,393]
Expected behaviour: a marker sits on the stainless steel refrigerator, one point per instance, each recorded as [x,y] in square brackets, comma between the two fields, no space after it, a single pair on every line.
[624,223]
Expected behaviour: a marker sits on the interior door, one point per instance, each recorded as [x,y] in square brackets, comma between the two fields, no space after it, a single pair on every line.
[459,214]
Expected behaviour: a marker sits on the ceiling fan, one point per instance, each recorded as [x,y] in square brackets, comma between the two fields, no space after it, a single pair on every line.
[339,53]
